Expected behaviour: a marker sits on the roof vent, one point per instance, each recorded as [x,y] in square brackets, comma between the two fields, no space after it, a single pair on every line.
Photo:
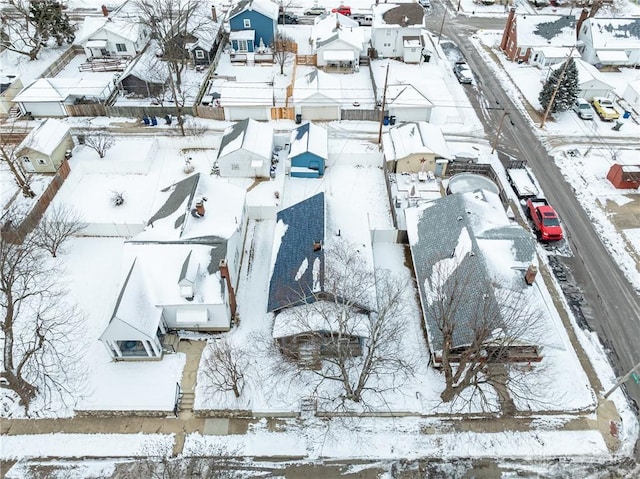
[198,210]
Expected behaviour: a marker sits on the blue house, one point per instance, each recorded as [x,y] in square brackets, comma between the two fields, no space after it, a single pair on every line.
[298,273]
[309,151]
[253,25]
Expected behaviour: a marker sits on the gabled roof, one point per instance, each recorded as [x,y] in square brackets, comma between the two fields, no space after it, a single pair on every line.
[59,89]
[536,30]
[401,15]
[587,73]
[337,26]
[614,33]
[414,138]
[299,268]
[320,86]
[466,236]
[147,66]
[289,323]
[248,135]
[46,137]
[309,138]
[406,96]
[264,7]
[233,93]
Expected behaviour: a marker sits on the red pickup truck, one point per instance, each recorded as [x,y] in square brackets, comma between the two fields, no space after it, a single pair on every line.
[545,219]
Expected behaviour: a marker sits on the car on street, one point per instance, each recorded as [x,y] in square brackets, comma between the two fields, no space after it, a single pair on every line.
[342,10]
[583,109]
[287,19]
[315,11]
[545,219]
[425,3]
[463,72]
[605,109]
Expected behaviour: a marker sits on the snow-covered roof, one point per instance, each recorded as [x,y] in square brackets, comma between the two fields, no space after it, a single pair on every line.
[587,73]
[406,96]
[466,235]
[614,33]
[309,138]
[320,316]
[46,137]
[265,7]
[248,135]
[174,219]
[59,89]
[414,138]
[393,15]
[323,87]
[246,94]
[352,37]
[147,66]
[557,52]
[534,30]
[338,27]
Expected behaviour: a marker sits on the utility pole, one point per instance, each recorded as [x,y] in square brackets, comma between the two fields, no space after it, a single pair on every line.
[622,380]
[384,101]
[555,90]
[444,16]
[495,140]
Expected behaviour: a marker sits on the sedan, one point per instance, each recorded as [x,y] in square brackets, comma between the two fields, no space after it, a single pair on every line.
[316,11]
[463,72]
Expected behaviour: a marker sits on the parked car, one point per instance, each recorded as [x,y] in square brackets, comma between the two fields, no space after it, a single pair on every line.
[605,109]
[545,219]
[315,11]
[463,72]
[583,109]
[342,10]
[287,19]
[425,3]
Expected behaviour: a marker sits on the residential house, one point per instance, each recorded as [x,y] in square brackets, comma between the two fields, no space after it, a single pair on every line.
[204,44]
[146,75]
[416,147]
[309,321]
[48,97]
[246,150]
[45,148]
[317,96]
[609,41]
[181,272]
[308,151]
[10,86]
[338,43]
[538,39]
[242,100]
[469,236]
[119,33]
[631,95]
[591,82]
[405,102]
[394,29]
[253,26]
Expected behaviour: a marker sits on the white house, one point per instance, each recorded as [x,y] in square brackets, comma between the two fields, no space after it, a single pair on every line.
[338,43]
[181,272]
[406,103]
[632,95]
[415,147]
[591,82]
[246,100]
[610,41]
[47,97]
[317,96]
[393,24]
[45,147]
[246,150]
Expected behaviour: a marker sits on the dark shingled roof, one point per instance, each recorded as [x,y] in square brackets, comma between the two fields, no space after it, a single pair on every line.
[404,14]
[305,226]
[234,132]
[549,30]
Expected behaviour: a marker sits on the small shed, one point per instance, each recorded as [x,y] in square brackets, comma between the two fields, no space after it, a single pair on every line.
[308,151]
[416,147]
[624,176]
[246,150]
[45,147]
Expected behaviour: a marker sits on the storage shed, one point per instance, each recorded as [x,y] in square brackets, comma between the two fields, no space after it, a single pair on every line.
[246,149]
[309,151]
[45,147]
[624,176]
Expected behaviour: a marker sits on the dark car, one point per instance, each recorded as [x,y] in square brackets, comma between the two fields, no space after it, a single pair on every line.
[463,72]
[287,19]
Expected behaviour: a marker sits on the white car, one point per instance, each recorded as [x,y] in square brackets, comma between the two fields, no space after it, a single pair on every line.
[583,109]
[315,11]
[425,3]
[463,73]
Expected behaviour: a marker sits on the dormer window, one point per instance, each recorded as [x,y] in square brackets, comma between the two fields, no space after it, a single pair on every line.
[188,277]
[247,23]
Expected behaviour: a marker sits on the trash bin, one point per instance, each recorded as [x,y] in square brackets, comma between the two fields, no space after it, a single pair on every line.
[298,119]
[385,120]
[392,120]
[167,119]
[146,120]
[626,114]
[154,121]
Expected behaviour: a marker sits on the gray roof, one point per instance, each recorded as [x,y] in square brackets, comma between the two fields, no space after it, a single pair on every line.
[404,14]
[549,30]
[234,132]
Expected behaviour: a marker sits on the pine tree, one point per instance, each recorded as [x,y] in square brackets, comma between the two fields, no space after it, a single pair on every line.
[567,91]
[48,18]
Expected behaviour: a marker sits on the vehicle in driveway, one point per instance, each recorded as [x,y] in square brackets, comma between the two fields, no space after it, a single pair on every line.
[287,19]
[315,11]
[463,73]
[583,109]
[605,109]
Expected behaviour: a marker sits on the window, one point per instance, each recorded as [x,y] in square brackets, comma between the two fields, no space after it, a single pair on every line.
[247,23]
[387,44]
[121,47]
[199,54]
[242,46]
[26,159]
[235,166]
[41,161]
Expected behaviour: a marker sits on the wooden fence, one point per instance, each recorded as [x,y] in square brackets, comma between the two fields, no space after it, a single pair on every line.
[306,60]
[362,115]
[86,109]
[209,112]
[282,113]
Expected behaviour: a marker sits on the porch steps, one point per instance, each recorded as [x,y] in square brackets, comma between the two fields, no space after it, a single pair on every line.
[187,400]
[15,112]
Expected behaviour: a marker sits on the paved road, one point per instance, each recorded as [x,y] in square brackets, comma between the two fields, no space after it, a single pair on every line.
[614,305]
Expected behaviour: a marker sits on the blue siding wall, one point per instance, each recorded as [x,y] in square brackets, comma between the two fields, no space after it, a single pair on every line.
[307,160]
[264,27]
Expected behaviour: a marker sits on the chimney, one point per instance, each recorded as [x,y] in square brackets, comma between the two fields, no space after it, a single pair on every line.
[530,275]
[317,246]
[584,14]
[214,14]
[200,208]
[508,29]
[105,10]
[224,272]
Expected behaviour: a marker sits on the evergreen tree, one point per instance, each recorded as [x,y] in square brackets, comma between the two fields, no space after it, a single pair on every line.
[50,21]
[567,91]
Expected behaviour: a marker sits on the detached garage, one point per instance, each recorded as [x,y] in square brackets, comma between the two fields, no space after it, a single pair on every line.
[317,96]
[309,151]
[246,149]
[246,100]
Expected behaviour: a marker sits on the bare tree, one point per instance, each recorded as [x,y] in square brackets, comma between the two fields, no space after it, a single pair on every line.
[29,25]
[39,327]
[485,334]
[99,141]
[58,224]
[9,143]
[282,46]
[356,322]
[225,366]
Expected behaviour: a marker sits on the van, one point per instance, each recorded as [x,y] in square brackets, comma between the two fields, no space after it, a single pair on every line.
[583,109]
[363,19]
